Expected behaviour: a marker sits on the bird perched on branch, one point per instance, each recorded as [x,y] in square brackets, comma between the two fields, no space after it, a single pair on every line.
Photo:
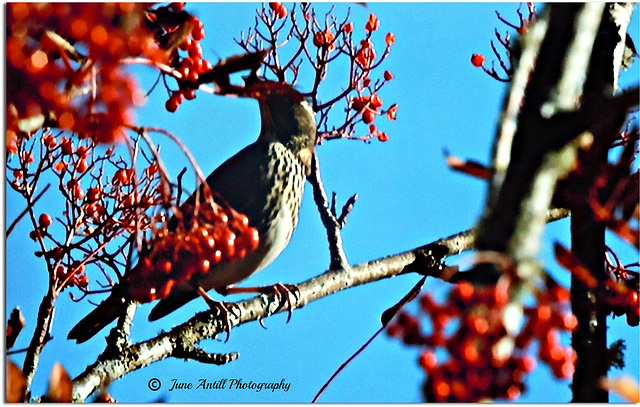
[264,181]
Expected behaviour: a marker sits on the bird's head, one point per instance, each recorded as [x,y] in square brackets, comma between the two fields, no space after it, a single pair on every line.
[286,116]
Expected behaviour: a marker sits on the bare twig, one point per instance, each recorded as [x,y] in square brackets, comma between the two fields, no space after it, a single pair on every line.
[26,210]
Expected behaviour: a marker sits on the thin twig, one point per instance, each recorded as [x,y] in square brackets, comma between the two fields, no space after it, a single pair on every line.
[26,210]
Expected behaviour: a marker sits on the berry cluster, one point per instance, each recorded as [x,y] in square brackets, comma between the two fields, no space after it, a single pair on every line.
[324,39]
[98,207]
[174,257]
[180,33]
[52,76]
[488,350]
[331,40]
[521,28]
[279,10]
[618,294]
[369,107]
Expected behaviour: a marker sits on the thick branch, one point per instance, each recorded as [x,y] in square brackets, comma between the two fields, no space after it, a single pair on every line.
[207,325]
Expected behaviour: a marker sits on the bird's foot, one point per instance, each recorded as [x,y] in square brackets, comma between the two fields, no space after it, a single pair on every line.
[283,292]
[224,309]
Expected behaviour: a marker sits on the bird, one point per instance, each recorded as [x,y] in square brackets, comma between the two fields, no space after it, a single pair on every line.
[264,181]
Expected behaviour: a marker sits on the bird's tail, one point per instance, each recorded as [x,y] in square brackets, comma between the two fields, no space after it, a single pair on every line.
[108,310]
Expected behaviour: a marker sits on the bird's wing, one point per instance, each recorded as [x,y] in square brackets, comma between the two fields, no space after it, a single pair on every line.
[243,185]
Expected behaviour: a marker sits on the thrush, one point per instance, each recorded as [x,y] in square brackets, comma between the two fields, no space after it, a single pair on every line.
[264,181]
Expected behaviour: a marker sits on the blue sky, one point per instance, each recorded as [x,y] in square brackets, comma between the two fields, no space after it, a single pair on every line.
[407,197]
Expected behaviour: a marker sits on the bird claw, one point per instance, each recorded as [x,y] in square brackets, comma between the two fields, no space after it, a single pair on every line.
[284,292]
[223,310]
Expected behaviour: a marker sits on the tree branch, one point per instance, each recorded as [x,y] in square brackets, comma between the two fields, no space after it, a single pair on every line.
[207,325]
[331,224]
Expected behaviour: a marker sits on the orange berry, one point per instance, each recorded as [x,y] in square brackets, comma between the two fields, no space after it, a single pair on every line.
[372,23]
[60,166]
[389,39]
[477,60]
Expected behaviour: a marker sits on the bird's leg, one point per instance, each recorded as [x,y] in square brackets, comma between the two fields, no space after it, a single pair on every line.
[223,308]
[282,291]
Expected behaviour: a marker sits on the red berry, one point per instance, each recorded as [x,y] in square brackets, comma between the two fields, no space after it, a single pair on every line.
[391,112]
[81,166]
[66,146]
[195,51]
[275,6]
[45,221]
[49,141]
[477,60]
[382,136]
[281,12]
[192,77]
[372,24]
[17,174]
[83,281]
[121,177]
[206,66]
[82,152]
[198,31]
[428,361]
[376,101]
[360,102]
[186,44]
[190,94]
[93,194]
[368,116]
[172,104]
[35,234]
[389,39]
[348,28]
[388,76]
[59,167]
